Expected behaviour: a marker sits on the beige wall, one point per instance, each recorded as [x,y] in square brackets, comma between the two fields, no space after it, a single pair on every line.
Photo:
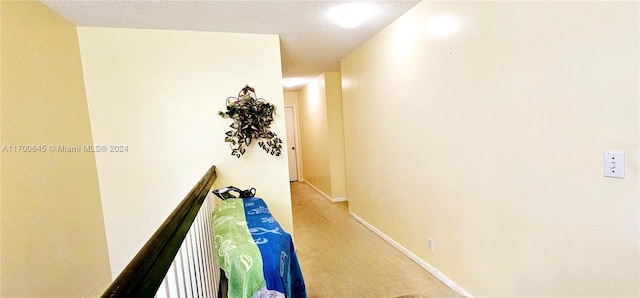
[320,105]
[158,92]
[0,151]
[314,135]
[490,141]
[291,98]
[53,235]
[333,89]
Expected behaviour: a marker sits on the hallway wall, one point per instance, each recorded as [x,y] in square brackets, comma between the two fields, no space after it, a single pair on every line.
[291,98]
[322,135]
[490,141]
[159,92]
[314,135]
[333,92]
[51,223]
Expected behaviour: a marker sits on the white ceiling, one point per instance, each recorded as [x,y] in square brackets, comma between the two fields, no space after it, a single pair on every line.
[310,42]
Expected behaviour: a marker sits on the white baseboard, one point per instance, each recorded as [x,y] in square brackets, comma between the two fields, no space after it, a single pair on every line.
[324,195]
[342,199]
[435,272]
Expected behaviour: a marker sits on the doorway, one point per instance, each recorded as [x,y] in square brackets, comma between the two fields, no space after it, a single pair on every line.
[292,139]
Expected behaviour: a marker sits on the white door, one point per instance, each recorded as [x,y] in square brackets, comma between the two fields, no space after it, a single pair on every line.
[290,122]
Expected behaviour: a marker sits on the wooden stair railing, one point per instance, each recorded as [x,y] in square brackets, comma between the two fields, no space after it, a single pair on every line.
[145,273]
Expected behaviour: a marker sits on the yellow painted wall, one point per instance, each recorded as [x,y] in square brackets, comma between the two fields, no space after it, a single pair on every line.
[291,98]
[314,135]
[490,141]
[333,89]
[158,92]
[320,105]
[0,151]
[53,235]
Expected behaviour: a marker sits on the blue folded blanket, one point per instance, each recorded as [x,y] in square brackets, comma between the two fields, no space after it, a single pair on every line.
[256,254]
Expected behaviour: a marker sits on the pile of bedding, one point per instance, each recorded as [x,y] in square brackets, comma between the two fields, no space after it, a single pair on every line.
[256,254]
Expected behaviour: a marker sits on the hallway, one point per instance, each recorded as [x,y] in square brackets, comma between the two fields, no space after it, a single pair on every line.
[341,258]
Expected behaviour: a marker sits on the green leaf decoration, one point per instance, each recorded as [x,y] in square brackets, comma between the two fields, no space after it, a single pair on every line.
[252,119]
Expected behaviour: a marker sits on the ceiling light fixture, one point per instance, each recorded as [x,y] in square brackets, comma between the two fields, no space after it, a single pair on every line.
[293,82]
[351,15]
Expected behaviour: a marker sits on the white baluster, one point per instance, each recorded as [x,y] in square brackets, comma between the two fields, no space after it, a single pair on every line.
[194,272]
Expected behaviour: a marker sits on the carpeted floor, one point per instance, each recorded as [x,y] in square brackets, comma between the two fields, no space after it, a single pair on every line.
[341,258]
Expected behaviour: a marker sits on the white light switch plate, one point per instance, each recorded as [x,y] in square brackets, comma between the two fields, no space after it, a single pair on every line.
[614,164]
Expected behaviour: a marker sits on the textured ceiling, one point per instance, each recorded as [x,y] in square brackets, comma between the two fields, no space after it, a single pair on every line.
[310,42]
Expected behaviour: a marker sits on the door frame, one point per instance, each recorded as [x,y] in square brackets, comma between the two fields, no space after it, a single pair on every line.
[296,132]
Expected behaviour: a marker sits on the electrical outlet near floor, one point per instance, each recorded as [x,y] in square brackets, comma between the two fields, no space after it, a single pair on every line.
[430,243]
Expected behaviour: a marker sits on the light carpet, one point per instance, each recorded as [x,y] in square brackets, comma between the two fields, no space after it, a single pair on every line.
[341,258]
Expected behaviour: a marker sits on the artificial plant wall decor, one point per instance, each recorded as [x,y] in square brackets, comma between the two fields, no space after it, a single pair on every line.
[252,117]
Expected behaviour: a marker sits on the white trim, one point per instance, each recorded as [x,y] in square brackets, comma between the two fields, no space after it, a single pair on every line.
[341,199]
[324,195]
[435,272]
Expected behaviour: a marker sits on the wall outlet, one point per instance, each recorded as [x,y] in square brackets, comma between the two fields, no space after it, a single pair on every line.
[430,243]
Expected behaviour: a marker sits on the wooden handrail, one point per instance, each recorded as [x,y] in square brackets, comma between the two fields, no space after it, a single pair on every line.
[144,274]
